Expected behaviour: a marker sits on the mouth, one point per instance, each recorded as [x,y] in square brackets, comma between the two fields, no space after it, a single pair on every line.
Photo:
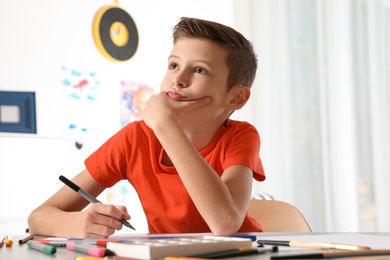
[179,97]
[175,95]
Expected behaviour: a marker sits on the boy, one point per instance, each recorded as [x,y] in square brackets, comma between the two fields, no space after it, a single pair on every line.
[191,166]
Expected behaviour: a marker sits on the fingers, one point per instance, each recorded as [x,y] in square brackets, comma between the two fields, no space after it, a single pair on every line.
[162,106]
[101,220]
[123,209]
[109,210]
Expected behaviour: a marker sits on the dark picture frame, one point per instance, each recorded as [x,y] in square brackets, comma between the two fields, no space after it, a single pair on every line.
[25,101]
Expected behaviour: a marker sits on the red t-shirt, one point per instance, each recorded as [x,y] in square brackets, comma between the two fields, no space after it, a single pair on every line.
[134,153]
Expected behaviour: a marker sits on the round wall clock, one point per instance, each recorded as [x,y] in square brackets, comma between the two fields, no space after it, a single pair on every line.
[115,33]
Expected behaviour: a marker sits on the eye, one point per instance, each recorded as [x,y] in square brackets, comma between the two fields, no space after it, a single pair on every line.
[173,66]
[200,70]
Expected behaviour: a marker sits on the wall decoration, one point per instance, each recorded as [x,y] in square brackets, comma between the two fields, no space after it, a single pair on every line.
[81,89]
[115,33]
[133,98]
[78,135]
[17,112]
[80,85]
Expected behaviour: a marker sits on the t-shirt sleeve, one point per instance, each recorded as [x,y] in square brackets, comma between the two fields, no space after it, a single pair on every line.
[107,165]
[244,149]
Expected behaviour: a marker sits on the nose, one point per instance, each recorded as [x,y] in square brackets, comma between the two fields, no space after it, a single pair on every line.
[180,80]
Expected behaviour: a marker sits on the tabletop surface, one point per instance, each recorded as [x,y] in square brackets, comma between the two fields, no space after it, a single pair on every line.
[373,240]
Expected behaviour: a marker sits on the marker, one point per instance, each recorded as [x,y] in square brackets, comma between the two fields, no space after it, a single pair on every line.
[106,258]
[55,243]
[51,250]
[89,249]
[77,238]
[93,241]
[103,243]
[8,241]
[88,197]
[251,237]
[90,258]
[62,242]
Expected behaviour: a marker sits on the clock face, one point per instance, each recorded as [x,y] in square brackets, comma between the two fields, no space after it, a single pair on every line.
[119,34]
[115,33]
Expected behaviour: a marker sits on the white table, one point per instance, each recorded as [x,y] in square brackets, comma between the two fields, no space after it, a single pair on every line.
[374,240]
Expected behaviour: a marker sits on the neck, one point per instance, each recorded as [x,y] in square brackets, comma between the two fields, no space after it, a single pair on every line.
[201,136]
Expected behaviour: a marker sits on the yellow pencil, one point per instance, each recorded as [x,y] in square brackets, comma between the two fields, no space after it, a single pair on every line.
[90,258]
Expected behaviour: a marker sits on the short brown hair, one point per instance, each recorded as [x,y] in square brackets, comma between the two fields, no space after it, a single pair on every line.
[241,58]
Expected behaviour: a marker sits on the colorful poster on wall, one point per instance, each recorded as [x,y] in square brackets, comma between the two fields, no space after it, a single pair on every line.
[82,90]
[133,98]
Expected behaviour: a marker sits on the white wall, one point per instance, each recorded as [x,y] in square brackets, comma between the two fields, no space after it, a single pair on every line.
[38,38]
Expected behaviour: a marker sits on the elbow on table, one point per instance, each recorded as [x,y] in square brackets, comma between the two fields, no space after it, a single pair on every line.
[227,227]
[30,221]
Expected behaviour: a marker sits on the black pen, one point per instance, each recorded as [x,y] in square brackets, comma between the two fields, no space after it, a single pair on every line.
[88,196]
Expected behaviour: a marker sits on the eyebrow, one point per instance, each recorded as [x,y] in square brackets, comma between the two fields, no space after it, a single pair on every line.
[202,61]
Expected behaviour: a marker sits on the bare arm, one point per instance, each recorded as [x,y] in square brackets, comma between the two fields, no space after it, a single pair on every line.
[222,202]
[61,215]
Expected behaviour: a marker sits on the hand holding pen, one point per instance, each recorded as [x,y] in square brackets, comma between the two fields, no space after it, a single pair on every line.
[88,196]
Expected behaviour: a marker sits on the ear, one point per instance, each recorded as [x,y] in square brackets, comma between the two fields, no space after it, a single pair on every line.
[240,96]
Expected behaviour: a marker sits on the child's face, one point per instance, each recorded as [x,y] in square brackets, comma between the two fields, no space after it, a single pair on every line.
[197,68]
